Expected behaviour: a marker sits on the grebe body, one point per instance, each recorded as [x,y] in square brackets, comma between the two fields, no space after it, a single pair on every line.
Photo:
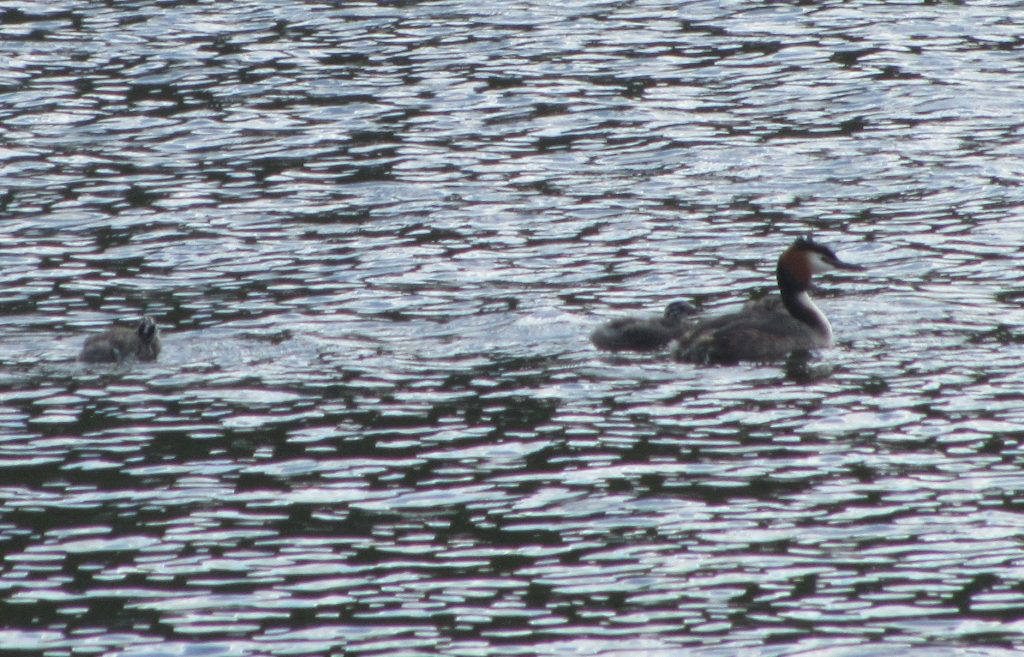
[772,328]
[643,333]
[120,343]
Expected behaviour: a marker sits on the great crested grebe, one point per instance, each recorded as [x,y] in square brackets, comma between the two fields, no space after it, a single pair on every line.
[768,330]
[120,343]
[643,333]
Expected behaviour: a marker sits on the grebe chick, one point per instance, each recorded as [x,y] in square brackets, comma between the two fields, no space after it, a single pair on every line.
[771,328]
[120,343]
[768,302]
[643,333]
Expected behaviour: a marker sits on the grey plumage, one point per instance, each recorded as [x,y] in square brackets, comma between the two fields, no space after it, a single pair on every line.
[643,333]
[120,343]
[759,334]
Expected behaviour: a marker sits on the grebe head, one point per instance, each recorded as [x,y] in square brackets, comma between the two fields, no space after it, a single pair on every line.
[803,259]
[679,309]
[146,330]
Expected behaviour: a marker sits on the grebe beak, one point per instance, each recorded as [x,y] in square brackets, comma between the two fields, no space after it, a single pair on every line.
[848,266]
[820,263]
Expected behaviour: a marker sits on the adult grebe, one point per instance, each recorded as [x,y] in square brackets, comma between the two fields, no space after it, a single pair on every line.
[119,343]
[767,331]
[643,333]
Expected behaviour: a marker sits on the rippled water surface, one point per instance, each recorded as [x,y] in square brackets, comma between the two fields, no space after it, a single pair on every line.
[376,236]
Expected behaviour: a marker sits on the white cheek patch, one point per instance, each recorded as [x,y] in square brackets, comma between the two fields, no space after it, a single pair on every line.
[818,263]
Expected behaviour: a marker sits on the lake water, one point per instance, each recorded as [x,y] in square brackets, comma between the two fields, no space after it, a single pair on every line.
[376,236]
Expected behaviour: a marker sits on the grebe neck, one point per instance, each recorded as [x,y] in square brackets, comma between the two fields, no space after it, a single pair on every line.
[802,308]
[794,278]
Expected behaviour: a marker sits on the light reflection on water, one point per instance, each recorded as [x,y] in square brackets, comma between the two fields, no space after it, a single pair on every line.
[376,237]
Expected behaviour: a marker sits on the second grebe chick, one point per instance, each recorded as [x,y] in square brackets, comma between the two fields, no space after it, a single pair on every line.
[120,343]
[643,333]
[769,330]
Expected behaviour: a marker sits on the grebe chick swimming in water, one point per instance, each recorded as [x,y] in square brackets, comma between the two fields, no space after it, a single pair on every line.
[120,343]
[769,330]
[643,333]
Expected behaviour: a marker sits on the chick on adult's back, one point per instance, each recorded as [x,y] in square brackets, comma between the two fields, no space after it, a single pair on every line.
[763,332]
